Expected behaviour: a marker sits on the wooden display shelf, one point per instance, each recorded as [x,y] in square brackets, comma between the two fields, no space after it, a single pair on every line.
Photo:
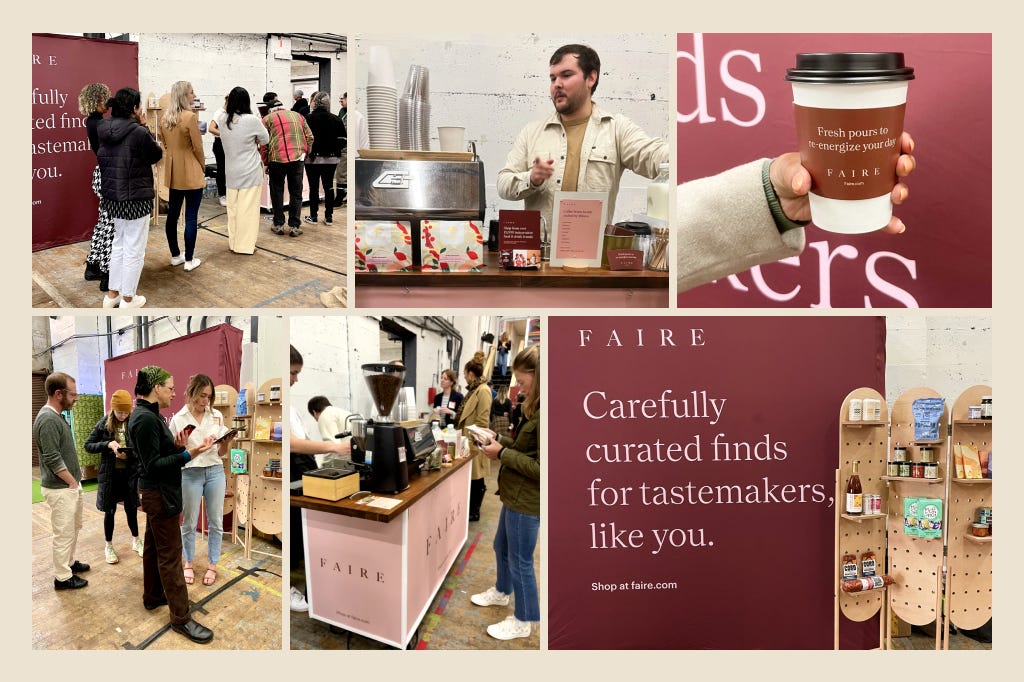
[859,518]
[269,440]
[928,442]
[271,478]
[863,423]
[911,479]
[972,422]
[981,541]
[971,481]
[918,538]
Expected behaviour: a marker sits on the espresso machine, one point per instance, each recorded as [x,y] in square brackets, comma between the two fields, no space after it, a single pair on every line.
[378,445]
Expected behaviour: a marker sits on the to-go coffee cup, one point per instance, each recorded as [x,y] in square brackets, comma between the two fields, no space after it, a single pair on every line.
[849,110]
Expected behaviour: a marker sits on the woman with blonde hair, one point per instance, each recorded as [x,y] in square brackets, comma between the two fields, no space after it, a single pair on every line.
[504,346]
[184,171]
[519,486]
[92,103]
[203,476]
[476,410]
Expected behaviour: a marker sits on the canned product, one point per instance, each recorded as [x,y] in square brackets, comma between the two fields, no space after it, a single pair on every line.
[984,515]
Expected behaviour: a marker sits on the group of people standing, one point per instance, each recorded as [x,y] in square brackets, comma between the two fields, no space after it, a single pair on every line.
[282,143]
[168,470]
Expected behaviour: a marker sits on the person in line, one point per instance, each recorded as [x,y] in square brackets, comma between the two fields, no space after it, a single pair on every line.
[218,154]
[447,402]
[126,156]
[754,214]
[517,412]
[119,472]
[303,453]
[202,479]
[476,410]
[184,172]
[161,457]
[501,411]
[322,161]
[301,104]
[92,103]
[504,347]
[241,133]
[580,147]
[519,486]
[330,419]
[61,478]
[290,140]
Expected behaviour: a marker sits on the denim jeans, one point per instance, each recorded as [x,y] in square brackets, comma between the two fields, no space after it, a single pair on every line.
[514,543]
[191,198]
[202,483]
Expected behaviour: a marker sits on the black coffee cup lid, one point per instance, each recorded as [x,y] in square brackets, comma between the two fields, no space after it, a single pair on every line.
[849,67]
[635,226]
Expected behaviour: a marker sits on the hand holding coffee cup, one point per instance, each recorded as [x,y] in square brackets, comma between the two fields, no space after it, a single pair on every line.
[792,182]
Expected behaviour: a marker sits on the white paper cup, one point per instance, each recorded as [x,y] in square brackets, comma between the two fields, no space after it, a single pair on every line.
[452,138]
[380,69]
[849,109]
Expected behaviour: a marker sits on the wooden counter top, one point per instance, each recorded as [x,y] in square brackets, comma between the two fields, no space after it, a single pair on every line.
[546,276]
[419,486]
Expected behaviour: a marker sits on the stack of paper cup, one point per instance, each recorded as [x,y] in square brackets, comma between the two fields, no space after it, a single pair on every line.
[381,100]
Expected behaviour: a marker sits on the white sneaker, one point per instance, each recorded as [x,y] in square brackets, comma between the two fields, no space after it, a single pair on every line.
[223,201]
[137,302]
[109,554]
[177,260]
[298,601]
[192,264]
[137,546]
[492,597]
[111,302]
[510,628]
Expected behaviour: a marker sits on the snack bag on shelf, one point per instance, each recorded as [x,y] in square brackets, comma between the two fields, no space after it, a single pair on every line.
[911,510]
[972,461]
[927,415]
[958,460]
[929,522]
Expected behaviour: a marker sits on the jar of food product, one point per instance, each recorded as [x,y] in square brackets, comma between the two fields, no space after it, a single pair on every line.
[931,470]
[917,469]
[905,469]
[856,409]
[899,453]
[980,530]
[892,469]
[974,412]
[986,407]
[275,392]
[927,454]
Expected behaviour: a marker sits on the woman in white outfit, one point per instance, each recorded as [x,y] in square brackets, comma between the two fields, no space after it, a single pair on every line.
[241,134]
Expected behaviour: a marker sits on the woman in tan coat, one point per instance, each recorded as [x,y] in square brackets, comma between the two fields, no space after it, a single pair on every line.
[184,171]
[476,409]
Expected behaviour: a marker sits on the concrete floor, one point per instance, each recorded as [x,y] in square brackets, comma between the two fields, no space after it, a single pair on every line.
[452,621]
[243,608]
[285,272]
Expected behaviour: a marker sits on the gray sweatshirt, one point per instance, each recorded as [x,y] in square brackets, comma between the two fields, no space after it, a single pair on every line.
[56,448]
[242,165]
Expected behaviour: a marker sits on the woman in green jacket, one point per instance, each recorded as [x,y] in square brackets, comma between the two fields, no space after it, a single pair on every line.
[519,486]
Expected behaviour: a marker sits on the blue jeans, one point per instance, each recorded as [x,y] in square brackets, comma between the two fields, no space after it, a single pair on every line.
[514,542]
[191,198]
[202,483]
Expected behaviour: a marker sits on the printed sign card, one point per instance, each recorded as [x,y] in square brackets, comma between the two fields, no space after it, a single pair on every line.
[519,239]
[579,220]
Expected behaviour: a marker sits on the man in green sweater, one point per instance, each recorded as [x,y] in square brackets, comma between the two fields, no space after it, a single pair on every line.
[61,478]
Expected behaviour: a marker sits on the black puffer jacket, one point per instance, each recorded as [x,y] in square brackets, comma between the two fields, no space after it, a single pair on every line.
[126,155]
[328,132]
[97,443]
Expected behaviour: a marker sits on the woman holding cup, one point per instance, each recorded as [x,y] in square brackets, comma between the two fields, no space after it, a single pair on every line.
[446,403]
[203,478]
[519,524]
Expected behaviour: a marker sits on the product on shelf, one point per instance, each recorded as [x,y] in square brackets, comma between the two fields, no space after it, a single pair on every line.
[981,530]
[867,564]
[261,431]
[929,522]
[927,414]
[864,584]
[958,460]
[972,461]
[856,409]
[854,492]
[986,407]
[849,567]
[911,505]
[239,458]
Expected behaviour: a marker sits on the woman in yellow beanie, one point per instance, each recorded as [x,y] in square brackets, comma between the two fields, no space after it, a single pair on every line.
[119,471]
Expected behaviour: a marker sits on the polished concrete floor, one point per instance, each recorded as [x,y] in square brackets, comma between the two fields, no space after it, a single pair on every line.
[285,272]
[452,621]
[243,607]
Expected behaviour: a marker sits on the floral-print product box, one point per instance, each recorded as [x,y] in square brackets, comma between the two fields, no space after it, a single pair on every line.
[451,246]
[383,246]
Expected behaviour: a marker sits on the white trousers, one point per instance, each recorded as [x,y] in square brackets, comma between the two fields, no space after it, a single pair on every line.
[243,218]
[66,518]
[127,254]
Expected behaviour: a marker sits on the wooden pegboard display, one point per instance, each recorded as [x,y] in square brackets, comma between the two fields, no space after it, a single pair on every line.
[915,563]
[865,442]
[243,498]
[226,407]
[969,559]
[265,493]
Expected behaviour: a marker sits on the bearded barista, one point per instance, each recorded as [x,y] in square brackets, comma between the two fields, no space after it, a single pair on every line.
[580,146]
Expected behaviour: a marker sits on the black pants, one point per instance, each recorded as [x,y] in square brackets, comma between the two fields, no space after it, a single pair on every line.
[292,172]
[321,174]
[218,153]
[161,558]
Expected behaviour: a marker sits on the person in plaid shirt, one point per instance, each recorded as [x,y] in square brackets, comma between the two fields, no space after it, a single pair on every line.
[290,141]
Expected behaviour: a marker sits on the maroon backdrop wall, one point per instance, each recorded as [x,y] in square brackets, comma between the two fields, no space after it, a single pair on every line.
[216,352]
[63,205]
[757,574]
[735,106]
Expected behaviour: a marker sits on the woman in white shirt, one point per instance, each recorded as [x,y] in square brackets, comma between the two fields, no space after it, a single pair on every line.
[203,476]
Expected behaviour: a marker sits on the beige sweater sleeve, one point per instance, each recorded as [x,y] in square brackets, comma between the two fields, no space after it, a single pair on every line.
[726,227]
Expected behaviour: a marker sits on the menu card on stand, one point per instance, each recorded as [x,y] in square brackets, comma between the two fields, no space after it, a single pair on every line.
[579,219]
[518,239]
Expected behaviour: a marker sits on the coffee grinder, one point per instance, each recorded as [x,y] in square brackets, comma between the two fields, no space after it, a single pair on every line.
[381,445]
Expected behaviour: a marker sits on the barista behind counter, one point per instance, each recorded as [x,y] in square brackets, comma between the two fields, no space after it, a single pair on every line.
[593,146]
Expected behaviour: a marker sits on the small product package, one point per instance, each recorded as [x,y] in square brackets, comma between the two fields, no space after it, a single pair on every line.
[972,461]
[452,246]
[242,406]
[383,245]
[927,415]
[911,511]
[239,461]
[929,521]
[958,460]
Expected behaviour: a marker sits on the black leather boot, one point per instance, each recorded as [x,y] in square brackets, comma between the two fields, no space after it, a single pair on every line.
[477,487]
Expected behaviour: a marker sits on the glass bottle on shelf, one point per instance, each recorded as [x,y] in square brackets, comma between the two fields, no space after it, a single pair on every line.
[854,492]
